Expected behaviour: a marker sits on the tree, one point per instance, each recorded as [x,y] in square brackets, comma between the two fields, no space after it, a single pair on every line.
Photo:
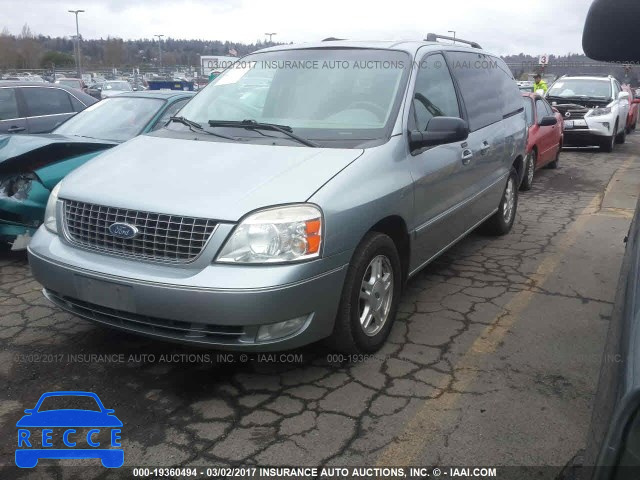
[59,59]
[29,49]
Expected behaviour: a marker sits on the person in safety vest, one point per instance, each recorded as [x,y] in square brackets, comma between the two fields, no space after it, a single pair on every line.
[540,84]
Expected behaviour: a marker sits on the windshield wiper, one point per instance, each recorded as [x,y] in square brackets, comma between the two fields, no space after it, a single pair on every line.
[253,125]
[191,124]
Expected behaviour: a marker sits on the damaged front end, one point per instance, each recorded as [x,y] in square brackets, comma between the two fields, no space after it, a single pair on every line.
[23,198]
[30,166]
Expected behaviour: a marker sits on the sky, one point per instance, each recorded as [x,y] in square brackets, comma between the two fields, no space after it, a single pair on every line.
[500,26]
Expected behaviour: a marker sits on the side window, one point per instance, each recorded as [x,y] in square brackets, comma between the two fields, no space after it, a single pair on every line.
[528,110]
[508,90]
[541,111]
[78,106]
[46,101]
[169,112]
[547,107]
[434,94]
[478,91]
[8,104]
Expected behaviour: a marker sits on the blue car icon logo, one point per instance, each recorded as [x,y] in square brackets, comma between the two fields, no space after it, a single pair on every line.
[69,433]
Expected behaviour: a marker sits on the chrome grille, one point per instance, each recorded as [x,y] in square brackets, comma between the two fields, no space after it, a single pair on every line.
[168,238]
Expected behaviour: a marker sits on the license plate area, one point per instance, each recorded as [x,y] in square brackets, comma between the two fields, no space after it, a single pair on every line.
[106,294]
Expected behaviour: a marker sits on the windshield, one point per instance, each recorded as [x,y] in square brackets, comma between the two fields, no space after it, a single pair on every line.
[124,86]
[581,87]
[323,94]
[69,402]
[117,118]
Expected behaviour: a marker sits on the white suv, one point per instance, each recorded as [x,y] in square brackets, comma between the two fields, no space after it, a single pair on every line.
[594,108]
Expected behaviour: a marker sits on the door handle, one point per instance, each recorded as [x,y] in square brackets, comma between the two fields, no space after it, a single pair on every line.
[15,129]
[467,155]
[485,147]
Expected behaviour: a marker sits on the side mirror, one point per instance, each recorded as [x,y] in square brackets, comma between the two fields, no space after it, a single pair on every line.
[548,121]
[623,96]
[440,130]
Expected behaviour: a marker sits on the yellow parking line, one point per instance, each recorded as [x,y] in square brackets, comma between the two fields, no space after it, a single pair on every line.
[405,449]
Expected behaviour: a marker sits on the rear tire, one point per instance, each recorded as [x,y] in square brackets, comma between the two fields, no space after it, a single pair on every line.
[370,297]
[500,223]
[553,165]
[529,171]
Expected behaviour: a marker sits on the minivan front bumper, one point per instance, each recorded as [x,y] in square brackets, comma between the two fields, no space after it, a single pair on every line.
[223,306]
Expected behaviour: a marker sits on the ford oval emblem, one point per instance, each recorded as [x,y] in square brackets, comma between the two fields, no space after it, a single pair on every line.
[123,230]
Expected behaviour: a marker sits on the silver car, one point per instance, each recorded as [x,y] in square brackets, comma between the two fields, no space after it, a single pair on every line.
[292,198]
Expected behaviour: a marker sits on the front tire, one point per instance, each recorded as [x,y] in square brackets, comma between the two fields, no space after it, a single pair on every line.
[608,143]
[529,171]
[370,297]
[500,223]
[621,137]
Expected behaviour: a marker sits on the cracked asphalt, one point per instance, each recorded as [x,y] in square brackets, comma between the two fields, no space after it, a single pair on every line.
[493,359]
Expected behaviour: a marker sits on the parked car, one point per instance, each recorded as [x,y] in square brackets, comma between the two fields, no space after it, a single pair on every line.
[274,224]
[30,166]
[595,110]
[76,83]
[545,136]
[114,87]
[632,118]
[95,90]
[29,107]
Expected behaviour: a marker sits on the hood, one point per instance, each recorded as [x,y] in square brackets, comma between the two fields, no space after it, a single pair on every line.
[573,104]
[25,153]
[208,179]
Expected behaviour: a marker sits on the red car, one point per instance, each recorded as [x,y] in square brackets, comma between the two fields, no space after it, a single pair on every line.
[632,119]
[546,129]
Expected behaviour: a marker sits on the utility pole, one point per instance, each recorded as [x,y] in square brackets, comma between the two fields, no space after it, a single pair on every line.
[454,35]
[270,35]
[159,50]
[78,52]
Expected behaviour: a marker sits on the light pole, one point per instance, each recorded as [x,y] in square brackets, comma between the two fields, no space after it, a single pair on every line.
[454,35]
[159,50]
[271,35]
[78,66]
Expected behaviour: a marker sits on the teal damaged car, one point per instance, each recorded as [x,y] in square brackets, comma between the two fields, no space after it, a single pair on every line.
[31,165]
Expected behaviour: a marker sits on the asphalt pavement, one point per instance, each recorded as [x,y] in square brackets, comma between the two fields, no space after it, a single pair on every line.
[493,359]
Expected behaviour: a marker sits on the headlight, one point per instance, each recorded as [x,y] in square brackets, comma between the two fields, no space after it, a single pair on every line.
[17,186]
[598,112]
[284,234]
[50,221]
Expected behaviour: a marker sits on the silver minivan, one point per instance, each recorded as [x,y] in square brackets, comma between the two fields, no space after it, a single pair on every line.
[292,198]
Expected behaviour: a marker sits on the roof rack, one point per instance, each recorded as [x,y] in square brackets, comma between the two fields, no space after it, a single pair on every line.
[433,37]
[333,39]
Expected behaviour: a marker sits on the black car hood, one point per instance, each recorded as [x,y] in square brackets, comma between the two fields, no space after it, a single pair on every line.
[25,153]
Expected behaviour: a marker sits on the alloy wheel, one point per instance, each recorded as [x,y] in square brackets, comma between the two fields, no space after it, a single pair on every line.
[376,295]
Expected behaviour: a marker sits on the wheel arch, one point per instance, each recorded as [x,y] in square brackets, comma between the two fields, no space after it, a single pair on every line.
[395,227]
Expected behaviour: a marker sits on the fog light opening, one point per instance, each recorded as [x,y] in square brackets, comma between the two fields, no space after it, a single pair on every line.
[281,329]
